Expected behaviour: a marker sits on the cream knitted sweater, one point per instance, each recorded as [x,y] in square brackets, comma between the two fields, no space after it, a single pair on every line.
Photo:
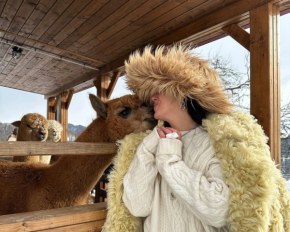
[177,185]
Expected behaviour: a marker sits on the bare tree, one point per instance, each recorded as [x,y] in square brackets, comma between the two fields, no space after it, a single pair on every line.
[237,85]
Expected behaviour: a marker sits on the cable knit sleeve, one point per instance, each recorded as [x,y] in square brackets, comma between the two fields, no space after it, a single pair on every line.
[204,194]
[140,178]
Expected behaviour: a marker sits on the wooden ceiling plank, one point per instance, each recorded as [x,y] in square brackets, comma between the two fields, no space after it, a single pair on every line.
[112,19]
[20,17]
[15,26]
[81,18]
[238,34]
[220,17]
[69,14]
[118,26]
[107,38]
[2,5]
[97,18]
[8,14]
[52,15]
[186,12]
[35,18]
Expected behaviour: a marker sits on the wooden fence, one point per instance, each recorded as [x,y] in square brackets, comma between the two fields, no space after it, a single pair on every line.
[79,218]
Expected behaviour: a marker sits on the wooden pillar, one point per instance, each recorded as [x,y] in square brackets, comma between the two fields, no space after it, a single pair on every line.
[265,73]
[52,103]
[65,99]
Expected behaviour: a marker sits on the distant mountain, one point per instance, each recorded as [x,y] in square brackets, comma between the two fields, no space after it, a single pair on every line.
[78,128]
[5,130]
[73,131]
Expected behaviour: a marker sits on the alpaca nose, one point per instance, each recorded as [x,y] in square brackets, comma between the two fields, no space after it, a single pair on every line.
[42,134]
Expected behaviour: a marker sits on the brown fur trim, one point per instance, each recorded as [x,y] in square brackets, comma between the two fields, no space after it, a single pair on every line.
[175,72]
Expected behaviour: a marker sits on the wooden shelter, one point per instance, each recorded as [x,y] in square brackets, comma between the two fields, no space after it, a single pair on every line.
[71,45]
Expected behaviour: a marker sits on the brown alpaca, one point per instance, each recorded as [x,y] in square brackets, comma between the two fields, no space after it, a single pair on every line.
[34,186]
[32,127]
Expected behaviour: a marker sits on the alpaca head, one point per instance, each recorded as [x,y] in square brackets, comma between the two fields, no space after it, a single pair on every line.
[32,127]
[123,116]
[54,131]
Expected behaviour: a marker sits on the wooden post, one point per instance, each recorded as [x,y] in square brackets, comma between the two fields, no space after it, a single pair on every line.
[50,108]
[63,115]
[102,83]
[265,73]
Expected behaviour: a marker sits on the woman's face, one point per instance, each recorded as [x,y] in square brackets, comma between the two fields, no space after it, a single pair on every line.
[164,107]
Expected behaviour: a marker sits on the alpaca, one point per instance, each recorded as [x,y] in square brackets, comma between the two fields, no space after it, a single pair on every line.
[35,186]
[32,127]
[54,135]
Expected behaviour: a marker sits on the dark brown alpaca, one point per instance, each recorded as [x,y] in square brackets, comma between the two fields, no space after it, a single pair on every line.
[34,186]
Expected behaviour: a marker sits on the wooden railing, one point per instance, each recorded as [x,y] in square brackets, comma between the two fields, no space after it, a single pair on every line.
[79,218]
[50,148]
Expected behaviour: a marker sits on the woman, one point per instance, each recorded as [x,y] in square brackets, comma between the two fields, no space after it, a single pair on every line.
[175,180]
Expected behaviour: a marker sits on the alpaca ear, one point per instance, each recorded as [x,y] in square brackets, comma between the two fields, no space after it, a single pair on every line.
[16,123]
[99,106]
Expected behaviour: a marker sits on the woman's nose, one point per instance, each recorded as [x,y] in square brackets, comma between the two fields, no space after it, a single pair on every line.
[154,98]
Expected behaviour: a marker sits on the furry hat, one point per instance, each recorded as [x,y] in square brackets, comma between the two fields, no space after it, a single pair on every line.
[175,72]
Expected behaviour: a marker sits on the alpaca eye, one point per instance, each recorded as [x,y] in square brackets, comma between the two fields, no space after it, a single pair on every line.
[125,112]
[30,127]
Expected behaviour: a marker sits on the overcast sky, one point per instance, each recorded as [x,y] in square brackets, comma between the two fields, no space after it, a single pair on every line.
[14,103]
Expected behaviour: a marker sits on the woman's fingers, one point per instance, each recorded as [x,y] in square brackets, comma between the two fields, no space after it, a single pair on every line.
[177,131]
[161,134]
[166,130]
[169,130]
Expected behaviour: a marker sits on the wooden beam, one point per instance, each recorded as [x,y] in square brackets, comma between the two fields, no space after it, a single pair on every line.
[50,46]
[50,148]
[265,74]
[90,216]
[112,84]
[70,95]
[238,34]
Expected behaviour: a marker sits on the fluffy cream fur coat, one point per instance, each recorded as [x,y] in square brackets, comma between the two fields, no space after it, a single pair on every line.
[259,200]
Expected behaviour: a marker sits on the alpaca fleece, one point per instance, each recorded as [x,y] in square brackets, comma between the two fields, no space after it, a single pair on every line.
[178,74]
[258,198]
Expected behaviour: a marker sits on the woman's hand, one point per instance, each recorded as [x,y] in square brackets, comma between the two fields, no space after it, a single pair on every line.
[168,130]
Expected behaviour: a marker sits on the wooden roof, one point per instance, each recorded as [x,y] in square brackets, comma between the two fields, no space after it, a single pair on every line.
[101,33]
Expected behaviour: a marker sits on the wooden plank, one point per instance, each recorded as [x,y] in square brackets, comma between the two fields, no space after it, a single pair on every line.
[24,11]
[52,47]
[53,218]
[115,17]
[238,34]
[113,83]
[119,26]
[265,76]
[97,18]
[69,14]
[95,226]
[49,148]
[81,18]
